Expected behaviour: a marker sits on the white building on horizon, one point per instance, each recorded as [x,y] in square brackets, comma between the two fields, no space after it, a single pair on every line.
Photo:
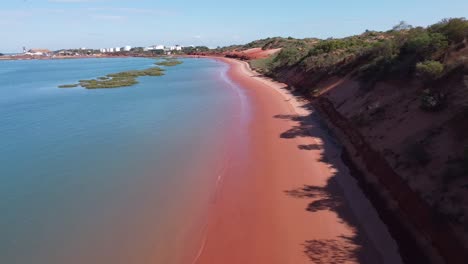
[156,47]
[116,49]
[175,48]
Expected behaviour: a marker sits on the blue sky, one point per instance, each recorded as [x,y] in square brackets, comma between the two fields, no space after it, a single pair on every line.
[56,24]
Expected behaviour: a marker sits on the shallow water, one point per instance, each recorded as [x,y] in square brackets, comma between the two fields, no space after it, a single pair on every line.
[108,175]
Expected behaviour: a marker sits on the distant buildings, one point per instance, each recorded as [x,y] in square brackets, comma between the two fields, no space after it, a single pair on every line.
[175,48]
[155,47]
[164,49]
[116,49]
[160,49]
[38,52]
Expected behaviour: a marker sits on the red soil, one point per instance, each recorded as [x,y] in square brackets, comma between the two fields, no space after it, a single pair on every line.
[252,54]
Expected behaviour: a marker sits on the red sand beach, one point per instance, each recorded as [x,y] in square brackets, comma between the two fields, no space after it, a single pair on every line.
[286,197]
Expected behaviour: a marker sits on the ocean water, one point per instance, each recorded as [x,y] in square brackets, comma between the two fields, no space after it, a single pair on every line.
[109,175]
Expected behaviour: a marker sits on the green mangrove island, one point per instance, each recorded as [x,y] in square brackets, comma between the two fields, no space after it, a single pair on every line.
[122,79]
[168,62]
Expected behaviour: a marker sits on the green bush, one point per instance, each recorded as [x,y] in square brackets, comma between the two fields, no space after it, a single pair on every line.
[429,70]
[378,68]
[424,44]
[288,56]
[262,65]
[455,29]
[402,26]
[327,46]
[350,44]
[384,49]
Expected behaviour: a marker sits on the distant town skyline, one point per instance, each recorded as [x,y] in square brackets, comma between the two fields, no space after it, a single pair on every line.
[61,24]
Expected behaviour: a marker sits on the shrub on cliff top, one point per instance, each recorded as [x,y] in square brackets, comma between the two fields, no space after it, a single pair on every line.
[429,70]
[288,56]
[424,44]
[455,29]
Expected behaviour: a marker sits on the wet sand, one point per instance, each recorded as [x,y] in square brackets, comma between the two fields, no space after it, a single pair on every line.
[286,196]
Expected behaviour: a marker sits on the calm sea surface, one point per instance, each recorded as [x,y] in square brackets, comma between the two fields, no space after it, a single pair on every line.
[108,175]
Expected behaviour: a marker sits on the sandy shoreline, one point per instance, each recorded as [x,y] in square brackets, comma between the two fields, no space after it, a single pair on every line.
[286,197]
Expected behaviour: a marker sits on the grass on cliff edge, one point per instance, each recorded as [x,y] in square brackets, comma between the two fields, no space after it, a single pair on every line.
[116,80]
[262,65]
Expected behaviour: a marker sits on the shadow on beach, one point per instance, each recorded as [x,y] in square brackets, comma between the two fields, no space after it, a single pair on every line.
[342,249]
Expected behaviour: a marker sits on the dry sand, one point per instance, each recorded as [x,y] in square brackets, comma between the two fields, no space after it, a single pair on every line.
[286,197]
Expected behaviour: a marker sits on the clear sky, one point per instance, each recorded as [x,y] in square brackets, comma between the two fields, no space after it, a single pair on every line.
[56,24]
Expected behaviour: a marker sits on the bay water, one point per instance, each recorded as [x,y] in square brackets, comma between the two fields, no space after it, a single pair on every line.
[109,175]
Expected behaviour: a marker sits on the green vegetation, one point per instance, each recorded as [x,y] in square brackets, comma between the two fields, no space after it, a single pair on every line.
[111,83]
[424,44]
[455,29]
[288,56]
[168,62]
[116,80]
[137,49]
[429,70]
[401,53]
[194,50]
[262,65]
[68,86]
[278,42]
[154,71]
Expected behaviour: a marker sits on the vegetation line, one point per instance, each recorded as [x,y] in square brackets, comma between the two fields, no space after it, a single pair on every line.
[168,62]
[122,79]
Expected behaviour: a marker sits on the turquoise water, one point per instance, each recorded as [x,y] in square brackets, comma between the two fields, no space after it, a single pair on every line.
[108,175]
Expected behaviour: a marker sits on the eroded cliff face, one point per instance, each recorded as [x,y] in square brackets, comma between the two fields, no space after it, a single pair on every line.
[418,157]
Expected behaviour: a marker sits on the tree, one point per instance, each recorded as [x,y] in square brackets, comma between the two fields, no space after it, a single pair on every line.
[402,26]
[137,49]
[157,52]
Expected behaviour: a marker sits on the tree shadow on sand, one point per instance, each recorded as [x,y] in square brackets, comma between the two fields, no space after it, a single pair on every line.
[342,249]
[329,251]
[324,200]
